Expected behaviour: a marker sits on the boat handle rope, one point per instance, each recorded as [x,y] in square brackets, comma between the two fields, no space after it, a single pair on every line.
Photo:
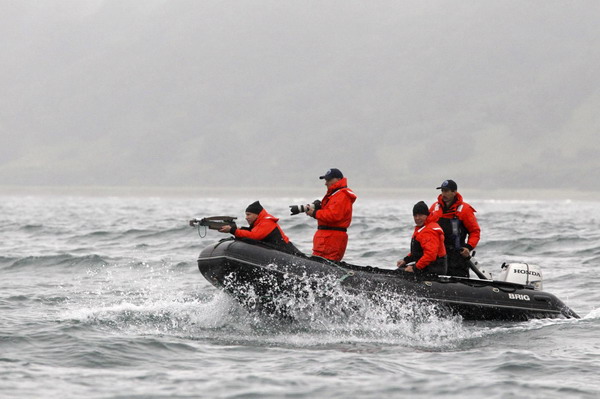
[348,273]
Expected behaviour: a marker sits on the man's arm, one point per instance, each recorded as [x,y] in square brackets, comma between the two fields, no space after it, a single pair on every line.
[258,232]
[338,209]
[470,222]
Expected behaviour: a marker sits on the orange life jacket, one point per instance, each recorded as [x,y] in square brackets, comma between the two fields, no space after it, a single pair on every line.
[264,228]
[464,214]
[427,245]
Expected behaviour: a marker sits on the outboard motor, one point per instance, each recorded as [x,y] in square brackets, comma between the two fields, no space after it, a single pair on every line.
[522,273]
[485,275]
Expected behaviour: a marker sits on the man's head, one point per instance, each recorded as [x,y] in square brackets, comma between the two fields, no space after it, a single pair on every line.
[332,176]
[252,212]
[448,188]
[420,213]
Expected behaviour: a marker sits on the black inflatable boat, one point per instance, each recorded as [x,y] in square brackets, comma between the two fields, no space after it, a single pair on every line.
[258,276]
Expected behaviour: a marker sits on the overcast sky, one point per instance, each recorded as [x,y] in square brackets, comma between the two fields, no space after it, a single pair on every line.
[400,94]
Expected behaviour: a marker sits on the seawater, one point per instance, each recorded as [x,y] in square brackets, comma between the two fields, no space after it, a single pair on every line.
[101,298]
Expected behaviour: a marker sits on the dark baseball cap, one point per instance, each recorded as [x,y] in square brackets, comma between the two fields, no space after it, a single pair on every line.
[332,174]
[448,185]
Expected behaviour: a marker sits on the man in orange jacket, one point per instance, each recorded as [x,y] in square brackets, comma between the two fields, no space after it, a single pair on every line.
[262,227]
[457,219]
[333,217]
[426,246]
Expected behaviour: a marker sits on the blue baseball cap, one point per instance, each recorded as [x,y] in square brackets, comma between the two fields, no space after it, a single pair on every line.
[332,174]
[448,185]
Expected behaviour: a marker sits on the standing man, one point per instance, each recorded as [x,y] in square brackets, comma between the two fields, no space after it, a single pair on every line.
[262,227]
[426,246]
[333,217]
[457,219]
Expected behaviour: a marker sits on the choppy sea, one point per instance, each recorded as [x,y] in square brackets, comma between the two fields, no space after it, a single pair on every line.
[100,297]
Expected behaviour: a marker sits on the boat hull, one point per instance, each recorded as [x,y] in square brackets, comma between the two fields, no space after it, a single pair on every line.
[257,276]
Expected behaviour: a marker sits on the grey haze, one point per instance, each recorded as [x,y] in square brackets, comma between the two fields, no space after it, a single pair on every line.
[267,93]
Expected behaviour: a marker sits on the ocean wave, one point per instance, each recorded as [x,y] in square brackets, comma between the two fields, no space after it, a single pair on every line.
[134,233]
[332,314]
[104,288]
[593,314]
[63,260]
[179,314]
[214,315]
[31,227]
[542,246]
[594,260]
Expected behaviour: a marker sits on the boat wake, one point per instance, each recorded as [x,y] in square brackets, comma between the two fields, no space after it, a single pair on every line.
[594,314]
[326,316]
[313,312]
[318,310]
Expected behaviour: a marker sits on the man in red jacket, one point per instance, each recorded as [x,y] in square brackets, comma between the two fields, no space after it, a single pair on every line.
[426,246]
[334,217]
[262,227]
[457,219]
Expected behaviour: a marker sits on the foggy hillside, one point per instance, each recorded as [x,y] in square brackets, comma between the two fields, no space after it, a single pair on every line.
[268,93]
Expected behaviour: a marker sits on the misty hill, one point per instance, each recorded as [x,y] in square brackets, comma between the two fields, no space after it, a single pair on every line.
[493,94]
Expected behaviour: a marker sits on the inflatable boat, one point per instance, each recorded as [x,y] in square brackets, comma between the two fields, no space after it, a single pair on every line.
[265,279]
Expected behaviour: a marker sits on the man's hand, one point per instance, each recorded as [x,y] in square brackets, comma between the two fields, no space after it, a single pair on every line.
[401,263]
[311,210]
[409,269]
[465,252]
[225,229]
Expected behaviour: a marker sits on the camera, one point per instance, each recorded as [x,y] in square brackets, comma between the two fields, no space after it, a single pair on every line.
[296,209]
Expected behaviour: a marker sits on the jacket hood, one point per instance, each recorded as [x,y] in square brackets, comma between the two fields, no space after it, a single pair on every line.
[342,183]
[457,200]
[266,215]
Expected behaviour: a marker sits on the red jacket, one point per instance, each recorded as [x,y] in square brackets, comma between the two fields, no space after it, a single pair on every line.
[460,210]
[336,206]
[427,245]
[333,218]
[261,228]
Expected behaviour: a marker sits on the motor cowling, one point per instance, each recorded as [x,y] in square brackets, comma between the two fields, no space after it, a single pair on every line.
[522,273]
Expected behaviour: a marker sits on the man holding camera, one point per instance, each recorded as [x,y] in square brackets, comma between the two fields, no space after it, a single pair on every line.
[333,217]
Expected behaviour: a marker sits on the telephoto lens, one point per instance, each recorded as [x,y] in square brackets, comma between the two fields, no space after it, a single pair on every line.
[296,209]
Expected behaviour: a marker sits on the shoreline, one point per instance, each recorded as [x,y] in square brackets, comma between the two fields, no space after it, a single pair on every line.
[294,192]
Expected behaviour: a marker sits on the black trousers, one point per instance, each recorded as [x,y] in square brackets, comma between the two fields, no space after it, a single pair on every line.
[437,268]
[457,264]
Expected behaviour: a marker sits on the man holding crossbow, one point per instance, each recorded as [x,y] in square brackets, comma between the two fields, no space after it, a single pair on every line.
[262,227]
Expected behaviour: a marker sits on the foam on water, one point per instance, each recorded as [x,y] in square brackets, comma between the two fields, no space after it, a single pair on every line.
[133,300]
[594,314]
